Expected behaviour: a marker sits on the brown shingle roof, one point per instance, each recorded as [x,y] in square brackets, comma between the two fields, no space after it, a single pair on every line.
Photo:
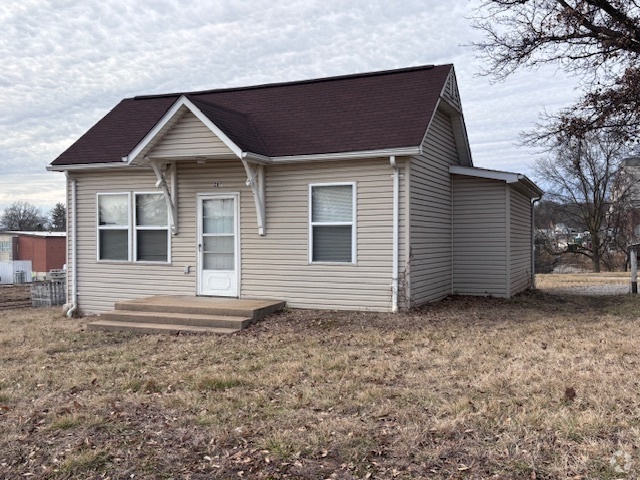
[370,111]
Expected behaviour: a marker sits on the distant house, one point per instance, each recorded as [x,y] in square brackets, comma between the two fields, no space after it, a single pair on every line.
[354,192]
[8,246]
[631,188]
[45,250]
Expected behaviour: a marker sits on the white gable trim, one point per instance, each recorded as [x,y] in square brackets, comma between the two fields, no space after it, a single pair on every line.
[457,122]
[183,101]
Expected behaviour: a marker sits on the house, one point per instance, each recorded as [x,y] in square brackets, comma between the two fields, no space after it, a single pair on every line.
[45,250]
[631,191]
[8,246]
[353,192]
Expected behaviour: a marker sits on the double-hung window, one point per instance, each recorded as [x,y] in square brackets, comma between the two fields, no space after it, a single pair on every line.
[133,227]
[151,228]
[332,223]
[114,220]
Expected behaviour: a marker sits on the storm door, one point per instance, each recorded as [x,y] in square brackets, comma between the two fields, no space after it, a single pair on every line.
[218,245]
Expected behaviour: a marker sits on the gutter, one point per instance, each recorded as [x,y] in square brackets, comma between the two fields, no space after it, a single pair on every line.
[401,151]
[396,216]
[90,166]
[257,159]
[74,237]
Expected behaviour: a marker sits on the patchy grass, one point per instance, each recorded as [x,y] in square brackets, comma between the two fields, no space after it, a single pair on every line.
[540,386]
[554,280]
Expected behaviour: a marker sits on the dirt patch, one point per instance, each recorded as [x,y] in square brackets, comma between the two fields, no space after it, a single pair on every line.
[15,296]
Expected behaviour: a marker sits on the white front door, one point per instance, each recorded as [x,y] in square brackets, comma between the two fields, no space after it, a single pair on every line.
[218,245]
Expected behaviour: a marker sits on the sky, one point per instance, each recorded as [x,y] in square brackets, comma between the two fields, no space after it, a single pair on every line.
[65,63]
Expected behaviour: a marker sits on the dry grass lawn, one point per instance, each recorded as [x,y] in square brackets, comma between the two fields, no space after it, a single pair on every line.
[539,387]
[551,280]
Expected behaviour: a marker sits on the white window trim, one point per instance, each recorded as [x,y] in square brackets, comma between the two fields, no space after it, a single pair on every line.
[109,227]
[353,223]
[136,228]
[131,230]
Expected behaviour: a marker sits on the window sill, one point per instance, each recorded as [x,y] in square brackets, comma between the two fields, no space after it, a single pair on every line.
[349,264]
[127,262]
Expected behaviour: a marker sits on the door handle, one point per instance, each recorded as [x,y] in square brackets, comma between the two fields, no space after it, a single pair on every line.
[199,247]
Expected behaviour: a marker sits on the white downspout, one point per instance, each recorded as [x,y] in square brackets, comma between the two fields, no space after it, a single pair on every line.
[74,238]
[396,216]
[533,242]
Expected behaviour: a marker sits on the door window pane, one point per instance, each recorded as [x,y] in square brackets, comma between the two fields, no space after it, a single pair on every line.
[218,215]
[217,261]
[222,244]
[219,252]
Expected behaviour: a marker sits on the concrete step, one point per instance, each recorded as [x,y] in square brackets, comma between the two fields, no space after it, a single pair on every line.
[107,325]
[253,308]
[193,319]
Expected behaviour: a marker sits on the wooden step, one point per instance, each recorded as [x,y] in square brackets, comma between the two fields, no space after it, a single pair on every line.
[107,325]
[173,313]
[214,321]
[252,308]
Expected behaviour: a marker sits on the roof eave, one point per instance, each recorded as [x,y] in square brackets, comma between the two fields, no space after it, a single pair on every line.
[385,152]
[508,177]
[263,159]
[86,166]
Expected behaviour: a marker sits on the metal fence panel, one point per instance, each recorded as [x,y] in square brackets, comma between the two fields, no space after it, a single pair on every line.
[8,271]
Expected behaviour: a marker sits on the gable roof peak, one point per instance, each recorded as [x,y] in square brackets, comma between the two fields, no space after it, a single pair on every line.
[374,111]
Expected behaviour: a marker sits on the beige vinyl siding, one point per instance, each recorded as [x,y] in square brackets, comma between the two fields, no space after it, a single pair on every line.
[430,214]
[520,241]
[275,265]
[479,236]
[189,137]
[101,284]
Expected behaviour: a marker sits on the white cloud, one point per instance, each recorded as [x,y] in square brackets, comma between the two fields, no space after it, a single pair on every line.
[64,64]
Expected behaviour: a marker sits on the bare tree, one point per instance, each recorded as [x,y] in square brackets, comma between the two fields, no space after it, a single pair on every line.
[22,216]
[596,40]
[58,218]
[586,180]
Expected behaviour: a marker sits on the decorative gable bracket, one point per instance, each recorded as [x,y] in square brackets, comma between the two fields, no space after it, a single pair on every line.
[169,195]
[255,179]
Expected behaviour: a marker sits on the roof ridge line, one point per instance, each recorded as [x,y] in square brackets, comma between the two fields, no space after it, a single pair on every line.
[294,82]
